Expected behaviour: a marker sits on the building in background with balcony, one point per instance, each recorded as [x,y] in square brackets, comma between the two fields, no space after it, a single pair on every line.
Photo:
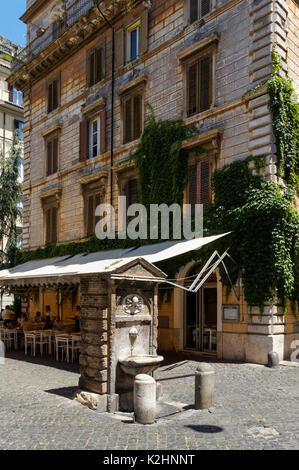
[11,119]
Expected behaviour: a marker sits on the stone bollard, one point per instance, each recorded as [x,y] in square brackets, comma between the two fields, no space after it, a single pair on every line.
[204,387]
[144,399]
[273,360]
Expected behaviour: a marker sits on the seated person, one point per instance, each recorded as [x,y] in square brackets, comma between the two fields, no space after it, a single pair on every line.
[7,316]
[26,323]
[38,317]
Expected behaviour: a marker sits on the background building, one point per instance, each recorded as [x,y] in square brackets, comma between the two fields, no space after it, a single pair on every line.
[11,118]
[196,58]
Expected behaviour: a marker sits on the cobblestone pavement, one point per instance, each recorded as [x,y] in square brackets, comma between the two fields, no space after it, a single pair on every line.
[255,408]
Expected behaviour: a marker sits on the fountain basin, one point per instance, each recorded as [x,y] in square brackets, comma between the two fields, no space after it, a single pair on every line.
[134,365]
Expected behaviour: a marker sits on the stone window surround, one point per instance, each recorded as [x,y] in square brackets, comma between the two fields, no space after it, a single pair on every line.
[193,53]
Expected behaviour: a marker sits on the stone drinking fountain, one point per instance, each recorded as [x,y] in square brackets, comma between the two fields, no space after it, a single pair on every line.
[119,338]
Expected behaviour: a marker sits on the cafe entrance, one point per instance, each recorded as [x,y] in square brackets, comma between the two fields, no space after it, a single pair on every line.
[200,322]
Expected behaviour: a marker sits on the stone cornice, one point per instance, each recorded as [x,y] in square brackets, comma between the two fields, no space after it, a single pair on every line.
[210,139]
[132,84]
[51,129]
[198,47]
[93,107]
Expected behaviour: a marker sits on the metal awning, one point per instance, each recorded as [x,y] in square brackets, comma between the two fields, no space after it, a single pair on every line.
[102,261]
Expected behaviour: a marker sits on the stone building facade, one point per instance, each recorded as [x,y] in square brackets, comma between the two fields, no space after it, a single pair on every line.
[11,120]
[196,59]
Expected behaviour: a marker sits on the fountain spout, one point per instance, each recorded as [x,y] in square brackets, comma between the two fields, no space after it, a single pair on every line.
[133,333]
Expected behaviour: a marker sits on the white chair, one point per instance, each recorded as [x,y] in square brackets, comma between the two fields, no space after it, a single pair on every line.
[42,340]
[9,339]
[30,340]
[62,344]
[75,345]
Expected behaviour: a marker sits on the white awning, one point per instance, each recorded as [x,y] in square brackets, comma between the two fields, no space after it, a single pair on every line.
[103,261]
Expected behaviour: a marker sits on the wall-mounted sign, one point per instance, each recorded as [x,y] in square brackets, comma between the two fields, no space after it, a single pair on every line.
[230,313]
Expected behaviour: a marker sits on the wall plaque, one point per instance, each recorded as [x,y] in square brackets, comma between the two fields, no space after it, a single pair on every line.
[230,313]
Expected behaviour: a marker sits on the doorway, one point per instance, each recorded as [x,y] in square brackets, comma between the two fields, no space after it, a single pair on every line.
[200,322]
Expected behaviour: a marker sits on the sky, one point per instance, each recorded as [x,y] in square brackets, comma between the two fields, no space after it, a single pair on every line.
[10,25]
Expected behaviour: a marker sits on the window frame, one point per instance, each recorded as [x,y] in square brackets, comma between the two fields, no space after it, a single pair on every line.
[51,104]
[51,203]
[94,189]
[129,97]
[135,26]
[90,137]
[199,11]
[93,51]
[208,53]
[49,139]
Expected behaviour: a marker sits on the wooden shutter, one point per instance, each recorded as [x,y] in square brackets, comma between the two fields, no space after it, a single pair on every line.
[137,116]
[90,215]
[48,226]
[10,93]
[103,131]
[54,225]
[127,120]
[50,97]
[205,83]
[55,94]
[119,48]
[49,157]
[99,65]
[192,89]
[192,188]
[55,155]
[91,68]
[205,7]
[97,199]
[143,31]
[84,140]
[204,182]
[193,10]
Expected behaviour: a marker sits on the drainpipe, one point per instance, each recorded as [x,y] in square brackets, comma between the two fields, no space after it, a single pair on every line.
[112,101]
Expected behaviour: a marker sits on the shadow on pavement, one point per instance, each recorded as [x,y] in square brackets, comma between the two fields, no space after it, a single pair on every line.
[206,428]
[47,361]
[66,392]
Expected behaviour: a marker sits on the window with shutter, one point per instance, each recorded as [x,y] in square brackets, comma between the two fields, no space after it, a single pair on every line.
[204,182]
[132,192]
[199,85]
[51,225]
[52,155]
[95,66]
[198,9]
[53,90]
[199,185]
[132,117]
[205,79]
[92,201]
[192,89]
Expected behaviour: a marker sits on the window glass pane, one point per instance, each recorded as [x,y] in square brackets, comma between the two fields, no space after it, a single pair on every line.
[133,44]
[192,89]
